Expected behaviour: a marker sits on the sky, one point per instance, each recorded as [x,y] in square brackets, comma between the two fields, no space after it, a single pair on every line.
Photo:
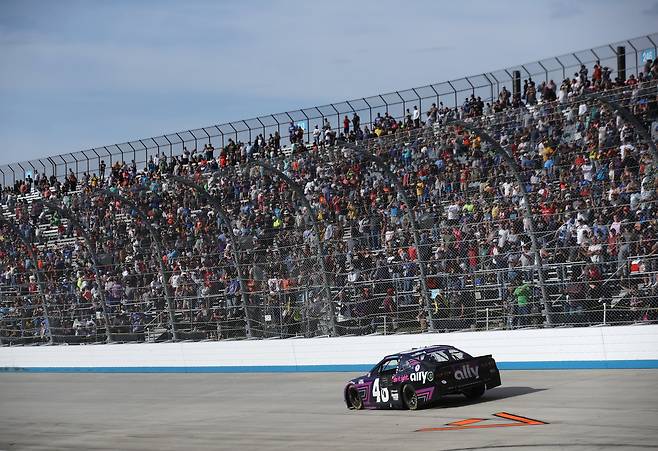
[81,74]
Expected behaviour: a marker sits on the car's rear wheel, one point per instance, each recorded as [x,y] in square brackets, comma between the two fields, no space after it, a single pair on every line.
[474,392]
[409,397]
[353,398]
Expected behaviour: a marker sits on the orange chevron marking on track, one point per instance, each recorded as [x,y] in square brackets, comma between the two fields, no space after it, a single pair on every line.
[525,420]
[466,422]
[469,423]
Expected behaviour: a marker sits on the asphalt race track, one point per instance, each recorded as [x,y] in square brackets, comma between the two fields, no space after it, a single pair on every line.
[589,409]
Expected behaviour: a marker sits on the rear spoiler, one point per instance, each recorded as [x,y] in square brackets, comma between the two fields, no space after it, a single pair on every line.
[458,362]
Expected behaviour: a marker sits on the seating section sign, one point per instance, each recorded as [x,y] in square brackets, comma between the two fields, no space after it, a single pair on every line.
[647,54]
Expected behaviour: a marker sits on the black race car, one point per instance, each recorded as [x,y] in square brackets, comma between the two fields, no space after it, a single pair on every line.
[411,379]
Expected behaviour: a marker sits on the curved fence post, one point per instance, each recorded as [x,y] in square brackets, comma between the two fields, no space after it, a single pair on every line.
[170,145]
[337,116]
[491,90]
[22,170]
[527,209]
[316,230]
[369,110]
[146,152]
[319,245]
[235,132]
[308,126]
[158,244]
[207,135]
[454,91]
[263,126]
[628,116]
[404,105]
[134,153]
[94,257]
[637,63]
[278,126]
[414,226]
[30,250]
[564,70]
[545,70]
[231,236]
[385,102]
[471,85]
[196,140]
[435,93]
[493,99]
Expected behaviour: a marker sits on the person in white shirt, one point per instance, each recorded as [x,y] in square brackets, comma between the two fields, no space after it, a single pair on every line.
[582,230]
[507,188]
[503,234]
[416,117]
[587,170]
[602,133]
[77,325]
[453,212]
[329,232]
[616,224]
[594,250]
[316,135]
[582,109]
[562,94]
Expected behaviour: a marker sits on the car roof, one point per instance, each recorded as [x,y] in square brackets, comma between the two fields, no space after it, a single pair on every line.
[431,348]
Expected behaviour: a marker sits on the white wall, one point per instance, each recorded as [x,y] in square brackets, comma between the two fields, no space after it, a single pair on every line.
[569,347]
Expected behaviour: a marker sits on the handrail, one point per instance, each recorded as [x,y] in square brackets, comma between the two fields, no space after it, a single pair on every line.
[488,86]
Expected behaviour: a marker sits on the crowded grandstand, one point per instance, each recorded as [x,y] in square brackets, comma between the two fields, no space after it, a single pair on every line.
[534,207]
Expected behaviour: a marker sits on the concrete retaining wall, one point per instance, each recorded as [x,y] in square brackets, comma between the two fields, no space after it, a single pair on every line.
[594,347]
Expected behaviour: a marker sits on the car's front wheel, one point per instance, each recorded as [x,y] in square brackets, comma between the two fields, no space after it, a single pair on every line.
[410,397]
[474,392]
[354,400]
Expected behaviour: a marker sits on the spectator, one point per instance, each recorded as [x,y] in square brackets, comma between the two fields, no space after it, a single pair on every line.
[522,295]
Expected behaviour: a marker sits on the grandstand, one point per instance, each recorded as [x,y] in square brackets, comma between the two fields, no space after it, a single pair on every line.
[474,204]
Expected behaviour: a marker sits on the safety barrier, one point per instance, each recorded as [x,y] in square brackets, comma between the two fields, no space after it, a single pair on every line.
[566,348]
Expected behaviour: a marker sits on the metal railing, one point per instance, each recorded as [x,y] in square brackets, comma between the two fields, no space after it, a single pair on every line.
[451,94]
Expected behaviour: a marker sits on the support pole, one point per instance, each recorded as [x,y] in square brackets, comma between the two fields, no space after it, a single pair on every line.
[316,230]
[158,244]
[217,205]
[527,210]
[628,116]
[30,250]
[414,225]
[94,258]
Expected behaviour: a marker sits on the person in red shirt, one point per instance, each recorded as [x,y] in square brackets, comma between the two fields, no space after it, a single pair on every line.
[596,74]
[613,239]
[547,210]
[632,81]
[472,257]
[390,309]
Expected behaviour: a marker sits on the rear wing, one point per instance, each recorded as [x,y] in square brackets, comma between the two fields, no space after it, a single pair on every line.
[468,370]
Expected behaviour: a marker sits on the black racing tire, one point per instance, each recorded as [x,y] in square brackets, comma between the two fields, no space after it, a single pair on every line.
[354,400]
[475,392]
[409,397]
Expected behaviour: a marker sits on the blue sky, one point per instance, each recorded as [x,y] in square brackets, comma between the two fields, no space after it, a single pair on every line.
[82,74]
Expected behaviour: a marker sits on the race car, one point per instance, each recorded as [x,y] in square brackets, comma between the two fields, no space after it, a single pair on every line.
[415,378]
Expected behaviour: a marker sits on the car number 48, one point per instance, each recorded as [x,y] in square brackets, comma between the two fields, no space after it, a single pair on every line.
[381,395]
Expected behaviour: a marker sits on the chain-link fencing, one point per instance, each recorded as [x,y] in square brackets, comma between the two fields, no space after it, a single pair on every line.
[529,214]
